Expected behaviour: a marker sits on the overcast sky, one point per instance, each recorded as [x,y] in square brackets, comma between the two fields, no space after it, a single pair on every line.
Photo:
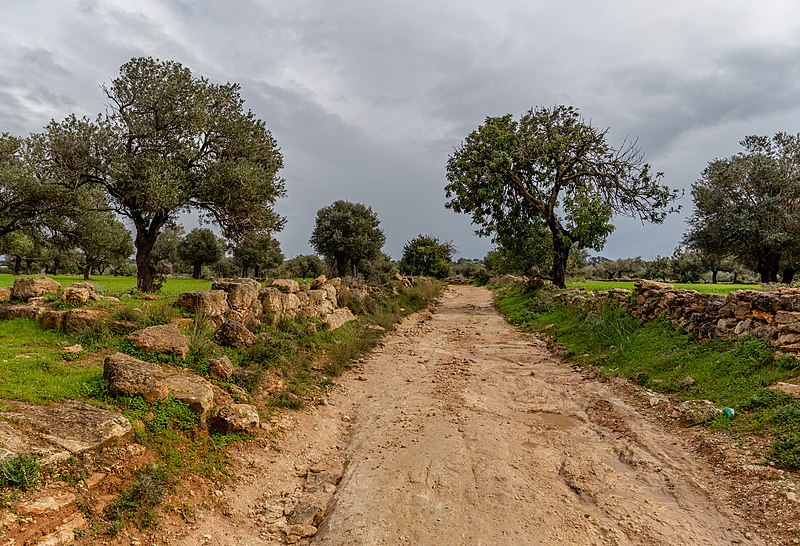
[367,98]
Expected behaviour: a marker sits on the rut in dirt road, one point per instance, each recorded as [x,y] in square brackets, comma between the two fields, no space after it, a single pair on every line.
[468,432]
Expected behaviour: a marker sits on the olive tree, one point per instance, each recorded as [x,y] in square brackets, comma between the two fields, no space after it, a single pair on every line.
[553,165]
[348,234]
[427,255]
[200,247]
[169,142]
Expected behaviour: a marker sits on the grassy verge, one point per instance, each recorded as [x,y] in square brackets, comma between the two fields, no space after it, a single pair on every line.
[659,357]
[110,285]
[628,285]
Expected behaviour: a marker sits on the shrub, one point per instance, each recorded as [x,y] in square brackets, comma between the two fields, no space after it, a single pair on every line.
[786,452]
[21,471]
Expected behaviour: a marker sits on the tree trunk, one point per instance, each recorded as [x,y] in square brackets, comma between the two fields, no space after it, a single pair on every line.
[257,271]
[245,269]
[17,264]
[561,246]
[87,272]
[341,264]
[788,275]
[196,270]
[714,276]
[145,272]
[735,276]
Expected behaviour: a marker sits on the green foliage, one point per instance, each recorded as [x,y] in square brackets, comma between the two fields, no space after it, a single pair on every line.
[348,234]
[21,471]
[551,169]
[139,503]
[786,451]
[259,251]
[427,255]
[169,141]
[308,266]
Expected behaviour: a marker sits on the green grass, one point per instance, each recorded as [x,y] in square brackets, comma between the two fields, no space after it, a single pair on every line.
[116,286]
[33,369]
[628,285]
[659,357]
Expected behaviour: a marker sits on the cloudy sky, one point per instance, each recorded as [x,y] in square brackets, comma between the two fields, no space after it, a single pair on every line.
[367,98]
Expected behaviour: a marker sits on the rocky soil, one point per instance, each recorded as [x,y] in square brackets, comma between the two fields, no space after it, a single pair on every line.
[461,430]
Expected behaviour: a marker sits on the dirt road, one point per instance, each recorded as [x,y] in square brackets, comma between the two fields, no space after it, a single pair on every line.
[462,431]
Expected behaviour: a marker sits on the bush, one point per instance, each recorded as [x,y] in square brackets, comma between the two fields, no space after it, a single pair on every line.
[21,471]
[786,452]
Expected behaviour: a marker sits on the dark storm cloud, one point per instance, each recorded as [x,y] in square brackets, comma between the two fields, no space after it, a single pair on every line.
[368,98]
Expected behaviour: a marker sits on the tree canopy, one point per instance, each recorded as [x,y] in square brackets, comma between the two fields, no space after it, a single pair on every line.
[748,206]
[427,255]
[200,247]
[348,234]
[553,165]
[169,142]
[259,251]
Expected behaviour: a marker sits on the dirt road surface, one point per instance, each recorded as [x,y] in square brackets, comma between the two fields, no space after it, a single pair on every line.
[463,431]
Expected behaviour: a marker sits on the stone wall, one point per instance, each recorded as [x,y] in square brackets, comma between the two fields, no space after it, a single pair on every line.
[772,316]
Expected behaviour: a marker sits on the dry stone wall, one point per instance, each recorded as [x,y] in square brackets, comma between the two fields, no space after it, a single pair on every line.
[772,316]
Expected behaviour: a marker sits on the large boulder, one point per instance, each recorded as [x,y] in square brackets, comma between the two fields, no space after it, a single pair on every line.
[78,292]
[234,334]
[330,293]
[130,376]
[209,304]
[286,285]
[241,418]
[241,292]
[6,293]
[319,281]
[338,318]
[33,287]
[53,320]
[163,339]
[318,304]
[28,311]
[193,391]
[85,319]
[279,304]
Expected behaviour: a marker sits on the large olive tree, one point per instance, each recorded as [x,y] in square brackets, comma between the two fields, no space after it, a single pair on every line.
[169,142]
[553,165]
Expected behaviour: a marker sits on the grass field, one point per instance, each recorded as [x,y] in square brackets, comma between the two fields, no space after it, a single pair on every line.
[116,286]
[699,287]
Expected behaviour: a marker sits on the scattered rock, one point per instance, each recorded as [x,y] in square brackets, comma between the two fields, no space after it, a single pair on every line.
[306,513]
[73,349]
[32,287]
[28,311]
[163,339]
[234,334]
[338,318]
[64,533]
[319,281]
[6,292]
[221,368]
[695,412]
[206,304]
[53,320]
[238,392]
[295,533]
[687,382]
[44,502]
[193,391]
[84,319]
[787,388]
[376,328]
[130,376]
[235,418]
[78,292]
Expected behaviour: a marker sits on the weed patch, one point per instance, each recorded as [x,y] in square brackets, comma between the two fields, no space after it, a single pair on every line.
[21,472]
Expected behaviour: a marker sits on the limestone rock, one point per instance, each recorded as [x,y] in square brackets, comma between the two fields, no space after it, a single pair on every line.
[286,285]
[163,339]
[32,287]
[787,388]
[241,293]
[130,376]
[73,349]
[235,418]
[84,319]
[209,304]
[6,292]
[338,318]
[53,320]
[319,281]
[687,382]
[695,412]
[234,334]
[71,425]
[45,502]
[221,368]
[28,311]
[78,292]
[193,391]
[307,513]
